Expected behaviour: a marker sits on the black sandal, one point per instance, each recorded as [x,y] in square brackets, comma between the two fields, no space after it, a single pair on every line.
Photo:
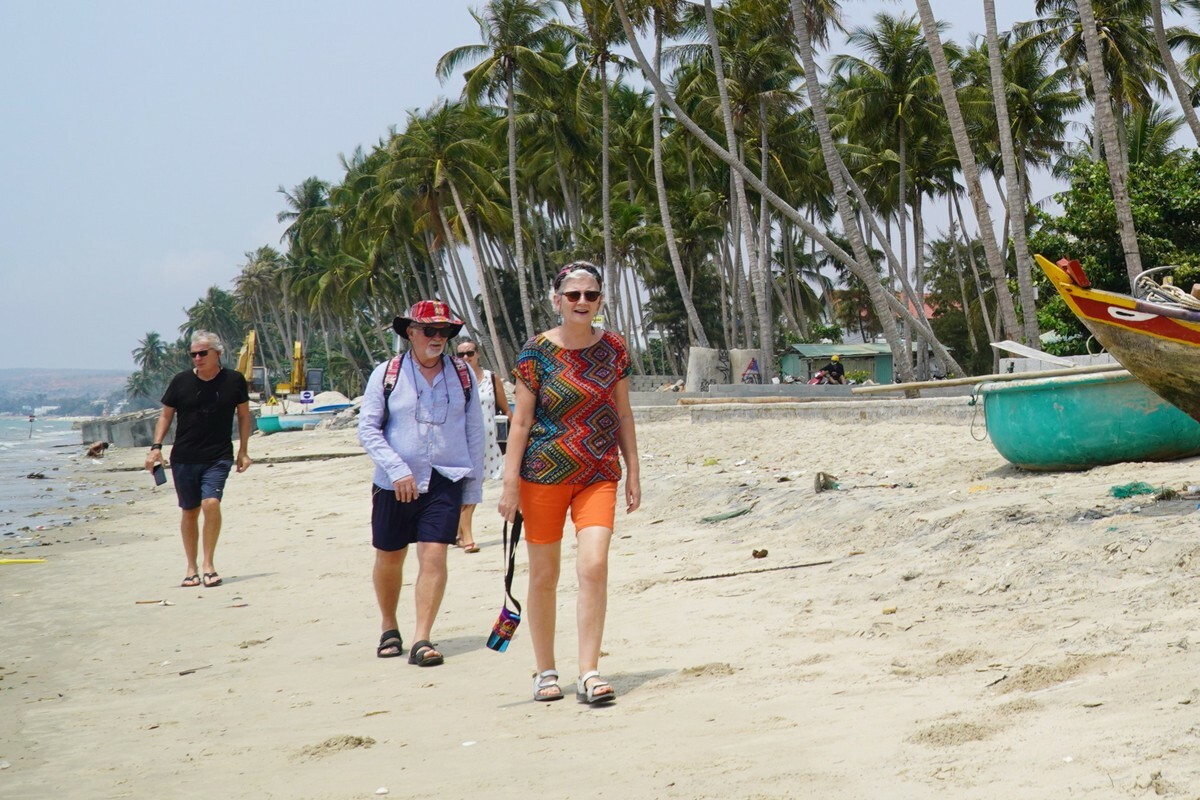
[390,641]
[425,655]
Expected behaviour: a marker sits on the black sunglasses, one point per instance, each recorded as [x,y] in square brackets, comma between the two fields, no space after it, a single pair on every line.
[467,353]
[434,331]
[198,353]
[591,295]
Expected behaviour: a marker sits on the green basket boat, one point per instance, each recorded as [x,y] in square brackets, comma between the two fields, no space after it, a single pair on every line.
[1082,421]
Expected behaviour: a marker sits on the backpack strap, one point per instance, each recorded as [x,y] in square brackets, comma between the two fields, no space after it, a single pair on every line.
[389,383]
[463,378]
[393,374]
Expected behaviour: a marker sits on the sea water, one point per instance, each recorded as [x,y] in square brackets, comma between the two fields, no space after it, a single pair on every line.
[48,447]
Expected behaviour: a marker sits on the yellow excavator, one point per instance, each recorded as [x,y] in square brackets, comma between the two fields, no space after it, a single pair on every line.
[297,381]
[245,363]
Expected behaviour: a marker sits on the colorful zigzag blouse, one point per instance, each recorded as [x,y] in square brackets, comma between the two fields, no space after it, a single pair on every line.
[573,438]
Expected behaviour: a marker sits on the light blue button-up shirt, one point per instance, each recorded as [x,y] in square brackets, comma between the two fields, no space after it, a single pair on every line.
[428,428]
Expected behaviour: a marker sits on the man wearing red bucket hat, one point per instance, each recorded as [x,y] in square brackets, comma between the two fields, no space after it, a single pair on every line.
[421,423]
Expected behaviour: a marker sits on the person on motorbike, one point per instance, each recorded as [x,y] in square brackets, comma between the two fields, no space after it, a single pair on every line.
[834,371]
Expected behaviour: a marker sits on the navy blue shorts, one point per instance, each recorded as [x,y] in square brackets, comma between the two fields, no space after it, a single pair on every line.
[432,517]
[196,482]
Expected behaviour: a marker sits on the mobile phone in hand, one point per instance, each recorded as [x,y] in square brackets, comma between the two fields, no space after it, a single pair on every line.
[160,475]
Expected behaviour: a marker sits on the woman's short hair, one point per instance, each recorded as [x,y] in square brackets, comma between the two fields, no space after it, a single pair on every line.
[210,339]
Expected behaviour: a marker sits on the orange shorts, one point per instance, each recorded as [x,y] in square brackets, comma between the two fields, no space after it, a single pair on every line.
[544,507]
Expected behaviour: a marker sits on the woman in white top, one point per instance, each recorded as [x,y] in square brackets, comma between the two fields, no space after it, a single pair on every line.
[493,400]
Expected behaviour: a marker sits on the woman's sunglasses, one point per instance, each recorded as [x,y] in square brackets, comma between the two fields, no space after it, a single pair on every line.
[467,353]
[591,295]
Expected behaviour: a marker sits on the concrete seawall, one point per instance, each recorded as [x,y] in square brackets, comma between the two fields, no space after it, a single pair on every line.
[949,410]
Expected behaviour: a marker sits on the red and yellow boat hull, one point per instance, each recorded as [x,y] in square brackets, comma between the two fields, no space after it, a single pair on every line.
[1159,344]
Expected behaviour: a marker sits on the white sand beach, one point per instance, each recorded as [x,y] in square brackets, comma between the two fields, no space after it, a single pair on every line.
[977,632]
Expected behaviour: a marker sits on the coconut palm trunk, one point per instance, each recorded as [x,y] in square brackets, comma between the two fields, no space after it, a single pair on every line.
[966,160]
[610,268]
[863,269]
[880,299]
[1013,193]
[497,353]
[1106,123]
[696,332]
[515,200]
[762,293]
[1182,90]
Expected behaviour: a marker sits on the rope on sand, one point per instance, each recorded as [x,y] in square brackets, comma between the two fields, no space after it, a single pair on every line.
[753,571]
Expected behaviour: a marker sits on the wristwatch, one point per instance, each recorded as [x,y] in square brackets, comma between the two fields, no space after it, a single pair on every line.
[156,446]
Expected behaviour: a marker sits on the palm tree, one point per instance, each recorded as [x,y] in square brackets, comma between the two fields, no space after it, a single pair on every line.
[966,158]
[1013,192]
[1125,43]
[257,298]
[151,354]
[762,293]
[891,88]
[309,225]
[861,266]
[1152,136]
[514,32]
[1118,169]
[141,385]
[665,16]
[1183,92]
[599,32]
[215,312]
[442,149]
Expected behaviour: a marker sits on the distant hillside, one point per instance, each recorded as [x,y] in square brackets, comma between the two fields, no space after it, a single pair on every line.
[55,383]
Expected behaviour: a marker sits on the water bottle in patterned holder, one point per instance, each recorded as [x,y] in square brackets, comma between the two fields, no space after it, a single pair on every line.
[503,630]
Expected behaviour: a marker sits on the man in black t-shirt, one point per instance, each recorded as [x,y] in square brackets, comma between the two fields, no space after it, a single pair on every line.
[204,400]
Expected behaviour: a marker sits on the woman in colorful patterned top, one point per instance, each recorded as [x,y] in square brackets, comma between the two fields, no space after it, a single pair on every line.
[571,426]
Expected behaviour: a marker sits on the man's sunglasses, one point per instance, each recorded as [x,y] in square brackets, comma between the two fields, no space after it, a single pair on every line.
[434,331]
[591,295]
[467,353]
[198,353]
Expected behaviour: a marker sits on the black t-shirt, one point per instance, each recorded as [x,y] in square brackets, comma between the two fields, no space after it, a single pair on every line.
[204,413]
[834,368]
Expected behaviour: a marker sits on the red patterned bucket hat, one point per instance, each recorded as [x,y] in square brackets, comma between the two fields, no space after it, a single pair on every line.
[427,312]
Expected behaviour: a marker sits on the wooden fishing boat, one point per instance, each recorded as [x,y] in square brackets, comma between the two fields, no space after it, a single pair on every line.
[1154,337]
[1076,422]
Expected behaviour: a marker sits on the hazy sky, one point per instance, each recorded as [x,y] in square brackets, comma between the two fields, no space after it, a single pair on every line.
[142,144]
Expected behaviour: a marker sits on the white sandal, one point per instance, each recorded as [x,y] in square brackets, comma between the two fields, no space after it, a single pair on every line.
[545,681]
[588,695]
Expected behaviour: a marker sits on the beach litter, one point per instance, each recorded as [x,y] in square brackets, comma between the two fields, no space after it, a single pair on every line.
[194,669]
[724,515]
[759,553]
[22,561]
[753,571]
[824,482]
[1130,489]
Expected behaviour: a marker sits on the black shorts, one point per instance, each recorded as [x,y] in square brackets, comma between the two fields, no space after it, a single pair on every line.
[195,483]
[432,517]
